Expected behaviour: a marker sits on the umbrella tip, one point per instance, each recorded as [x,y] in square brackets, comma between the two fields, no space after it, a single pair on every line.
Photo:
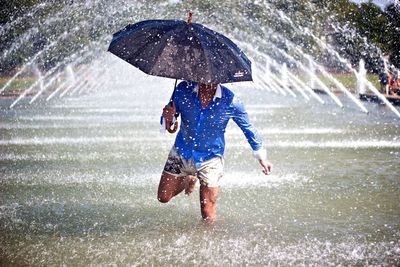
[189,20]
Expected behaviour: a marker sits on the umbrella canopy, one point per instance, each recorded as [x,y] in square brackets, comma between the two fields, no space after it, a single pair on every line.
[181,50]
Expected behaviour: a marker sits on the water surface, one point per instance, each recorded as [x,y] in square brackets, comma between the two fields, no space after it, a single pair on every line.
[79,178]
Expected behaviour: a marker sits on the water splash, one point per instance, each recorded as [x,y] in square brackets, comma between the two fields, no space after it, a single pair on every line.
[362,77]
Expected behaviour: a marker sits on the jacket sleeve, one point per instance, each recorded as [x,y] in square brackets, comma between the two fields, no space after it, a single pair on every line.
[241,118]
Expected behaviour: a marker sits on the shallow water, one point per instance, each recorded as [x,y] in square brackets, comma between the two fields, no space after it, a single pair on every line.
[79,179]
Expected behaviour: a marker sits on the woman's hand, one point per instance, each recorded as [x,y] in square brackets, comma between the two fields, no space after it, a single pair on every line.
[169,111]
[266,166]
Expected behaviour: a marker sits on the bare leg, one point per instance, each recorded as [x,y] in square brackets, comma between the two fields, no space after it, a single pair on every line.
[189,182]
[208,202]
[169,187]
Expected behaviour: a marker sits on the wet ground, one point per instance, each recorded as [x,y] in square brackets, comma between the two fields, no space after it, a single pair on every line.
[79,177]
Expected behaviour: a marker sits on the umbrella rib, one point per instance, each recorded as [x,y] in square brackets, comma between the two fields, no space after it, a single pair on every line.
[162,46]
[231,47]
[159,48]
[205,51]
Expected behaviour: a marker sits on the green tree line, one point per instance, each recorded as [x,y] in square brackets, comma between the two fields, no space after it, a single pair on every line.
[375,27]
[356,31]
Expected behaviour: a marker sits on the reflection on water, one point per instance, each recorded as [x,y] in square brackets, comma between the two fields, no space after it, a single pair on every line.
[79,180]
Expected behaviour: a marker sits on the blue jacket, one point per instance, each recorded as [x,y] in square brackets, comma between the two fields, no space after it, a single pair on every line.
[201,134]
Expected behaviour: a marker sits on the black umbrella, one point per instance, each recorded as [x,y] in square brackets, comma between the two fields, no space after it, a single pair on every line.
[181,50]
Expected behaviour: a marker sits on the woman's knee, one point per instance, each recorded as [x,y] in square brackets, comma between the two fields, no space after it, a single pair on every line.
[164,188]
[163,197]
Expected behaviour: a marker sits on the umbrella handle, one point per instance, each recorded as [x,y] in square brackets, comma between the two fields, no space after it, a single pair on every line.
[168,126]
[168,123]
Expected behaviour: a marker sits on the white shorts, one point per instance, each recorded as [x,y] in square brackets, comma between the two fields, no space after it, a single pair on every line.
[209,172]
